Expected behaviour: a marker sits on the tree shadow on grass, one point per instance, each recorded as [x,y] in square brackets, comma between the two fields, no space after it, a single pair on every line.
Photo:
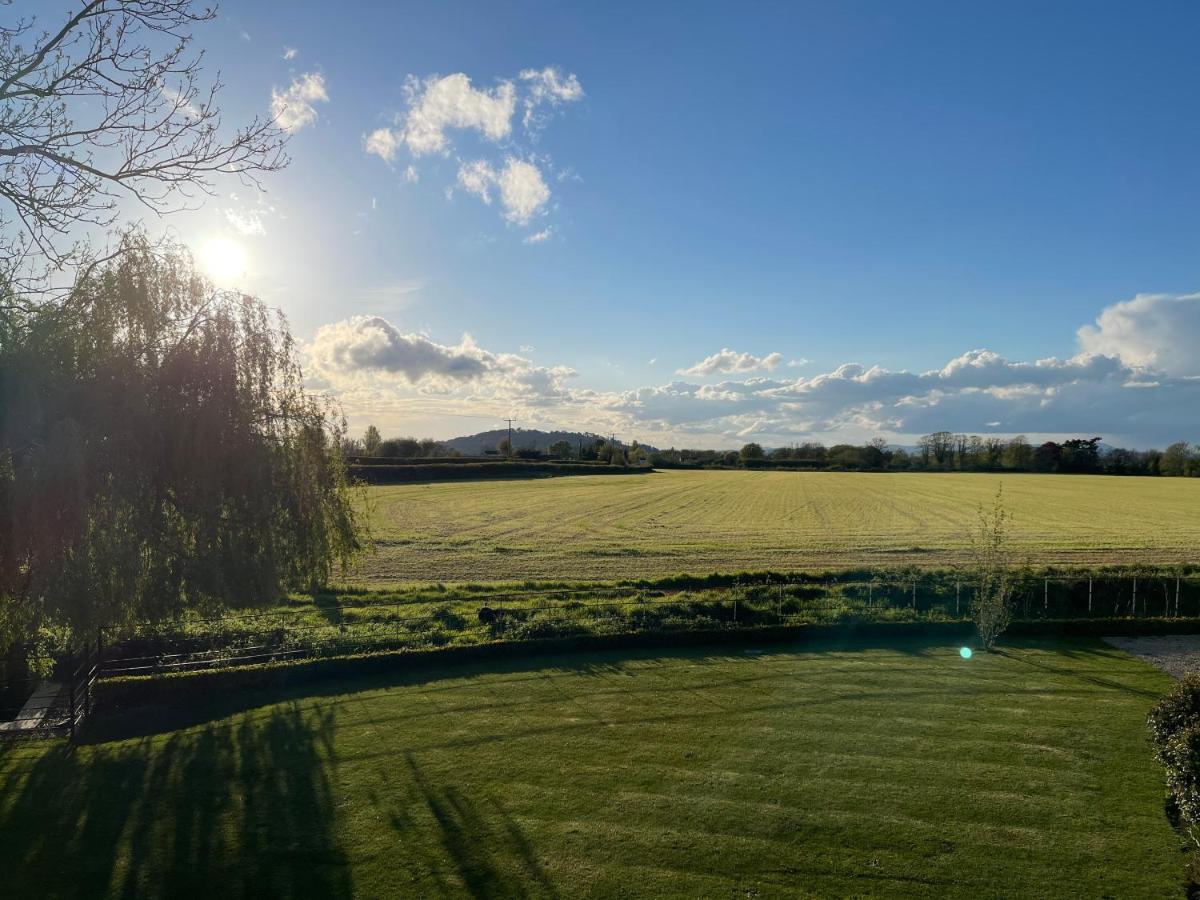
[1077,653]
[486,847]
[239,808]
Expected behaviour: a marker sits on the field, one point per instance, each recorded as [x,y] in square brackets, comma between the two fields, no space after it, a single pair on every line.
[699,522]
[835,770]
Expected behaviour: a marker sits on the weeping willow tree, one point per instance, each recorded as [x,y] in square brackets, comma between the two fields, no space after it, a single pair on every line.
[158,454]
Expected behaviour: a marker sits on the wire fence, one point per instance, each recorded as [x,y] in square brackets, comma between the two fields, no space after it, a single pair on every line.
[358,627]
[327,628]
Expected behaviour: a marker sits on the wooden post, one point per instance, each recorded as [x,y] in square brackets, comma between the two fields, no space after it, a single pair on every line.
[957,599]
[71,702]
[914,600]
[1135,595]
[1089,594]
[1046,597]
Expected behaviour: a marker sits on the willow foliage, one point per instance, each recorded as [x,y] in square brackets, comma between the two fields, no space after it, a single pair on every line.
[158,452]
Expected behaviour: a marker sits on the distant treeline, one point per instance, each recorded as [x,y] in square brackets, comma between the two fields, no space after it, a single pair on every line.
[943,451]
[373,446]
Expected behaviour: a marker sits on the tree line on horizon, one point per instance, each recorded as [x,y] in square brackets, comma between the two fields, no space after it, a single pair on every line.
[373,444]
[944,451]
[941,451]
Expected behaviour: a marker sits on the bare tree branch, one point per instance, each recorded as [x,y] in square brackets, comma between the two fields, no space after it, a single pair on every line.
[109,106]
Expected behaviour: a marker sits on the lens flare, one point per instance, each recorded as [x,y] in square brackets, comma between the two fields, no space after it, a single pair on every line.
[965,652]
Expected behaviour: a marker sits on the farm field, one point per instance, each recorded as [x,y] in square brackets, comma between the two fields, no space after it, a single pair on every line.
[838,770]
[699,522]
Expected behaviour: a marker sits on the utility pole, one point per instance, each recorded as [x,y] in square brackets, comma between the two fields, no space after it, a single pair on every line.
[510,447]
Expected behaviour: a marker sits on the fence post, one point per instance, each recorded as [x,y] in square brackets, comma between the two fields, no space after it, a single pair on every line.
[957,599]
[1089,595]
[71,701]
[914,599]
[1046,597]
[1135,596]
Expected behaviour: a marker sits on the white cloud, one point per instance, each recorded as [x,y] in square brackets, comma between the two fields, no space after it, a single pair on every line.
[371,344]
[437,104]
[547,86]
[477,178]
[247,223]
[369,351]
[729,361]
[181,102]
[1159,331]
[293,108]
[410,175]
[289,53]
[383,142]
[523,192]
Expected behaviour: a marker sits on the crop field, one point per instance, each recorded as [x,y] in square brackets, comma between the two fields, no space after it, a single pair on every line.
[830,769]
[699,522]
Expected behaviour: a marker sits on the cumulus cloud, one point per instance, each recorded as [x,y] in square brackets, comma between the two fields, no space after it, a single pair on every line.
[727,361]
[438,104]
[522,190]
[370,350]
[538,237]
[289,53]
[1134,399]
[1156,331]
[383,142]
[293,107]
[371,344]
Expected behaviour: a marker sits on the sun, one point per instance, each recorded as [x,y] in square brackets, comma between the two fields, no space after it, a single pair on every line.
[224,261]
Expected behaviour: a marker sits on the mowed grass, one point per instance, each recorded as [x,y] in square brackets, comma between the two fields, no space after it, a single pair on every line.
[832,770]
[672,521]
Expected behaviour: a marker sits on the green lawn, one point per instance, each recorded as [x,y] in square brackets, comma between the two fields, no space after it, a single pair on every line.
[674,521]
[827,770]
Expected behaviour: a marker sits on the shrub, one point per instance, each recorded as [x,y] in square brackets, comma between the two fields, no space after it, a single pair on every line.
[1181,757]
[1177,711]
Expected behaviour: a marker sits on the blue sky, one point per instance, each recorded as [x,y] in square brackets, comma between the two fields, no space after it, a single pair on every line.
[885,185]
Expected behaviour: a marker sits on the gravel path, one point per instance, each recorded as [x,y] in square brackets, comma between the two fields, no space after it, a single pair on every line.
[1175,654]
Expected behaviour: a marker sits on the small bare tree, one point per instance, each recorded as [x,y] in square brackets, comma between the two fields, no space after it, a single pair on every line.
[109,105]
[991,565]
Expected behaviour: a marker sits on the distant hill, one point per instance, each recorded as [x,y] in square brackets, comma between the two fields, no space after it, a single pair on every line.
[527,439]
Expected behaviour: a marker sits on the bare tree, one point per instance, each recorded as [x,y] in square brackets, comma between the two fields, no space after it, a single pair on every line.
[991,564]
[110,105]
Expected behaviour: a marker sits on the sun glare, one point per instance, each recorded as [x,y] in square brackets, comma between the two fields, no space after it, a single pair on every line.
[224,261]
